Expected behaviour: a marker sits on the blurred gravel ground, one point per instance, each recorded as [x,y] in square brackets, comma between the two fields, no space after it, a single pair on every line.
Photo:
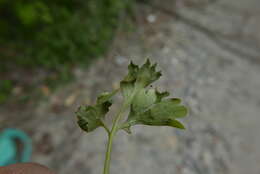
[209,52]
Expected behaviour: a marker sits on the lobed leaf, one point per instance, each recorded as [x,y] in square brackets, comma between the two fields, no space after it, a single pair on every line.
[157,114]
[106,96]
[90,117]
[138,78]
[149,106]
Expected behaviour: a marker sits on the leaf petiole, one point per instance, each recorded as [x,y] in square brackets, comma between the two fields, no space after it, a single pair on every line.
[111,135]
[114,129]
[105,127]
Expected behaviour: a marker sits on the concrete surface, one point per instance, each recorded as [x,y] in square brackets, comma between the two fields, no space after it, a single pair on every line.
[209,55]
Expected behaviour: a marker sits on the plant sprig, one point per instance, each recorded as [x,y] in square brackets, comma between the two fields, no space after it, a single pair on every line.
[146,105]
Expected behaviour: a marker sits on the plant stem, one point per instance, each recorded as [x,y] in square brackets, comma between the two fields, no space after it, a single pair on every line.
[108,154]
[111,135]
[105,126]
[113,131]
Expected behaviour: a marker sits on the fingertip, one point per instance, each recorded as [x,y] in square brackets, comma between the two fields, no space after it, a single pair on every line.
[25,168]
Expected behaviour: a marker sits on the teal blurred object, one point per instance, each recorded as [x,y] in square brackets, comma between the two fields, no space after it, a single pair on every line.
[9,150]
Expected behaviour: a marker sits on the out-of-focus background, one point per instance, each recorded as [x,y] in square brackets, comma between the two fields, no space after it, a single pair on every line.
[58,54]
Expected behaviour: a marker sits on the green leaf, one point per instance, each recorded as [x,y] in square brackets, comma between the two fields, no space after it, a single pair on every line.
[147,74]
[90,117]
[132,72]
[169,108]
[27,13]
[127,89]
[161,95]
[158,114]
[177,124]
[149,106]
[138,78]
[106,96]
[127,84]
[144,99]
[161,114]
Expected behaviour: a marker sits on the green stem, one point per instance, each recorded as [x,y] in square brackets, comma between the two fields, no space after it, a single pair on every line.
[105,126]
[113,131]
[110,140]
[108,154]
